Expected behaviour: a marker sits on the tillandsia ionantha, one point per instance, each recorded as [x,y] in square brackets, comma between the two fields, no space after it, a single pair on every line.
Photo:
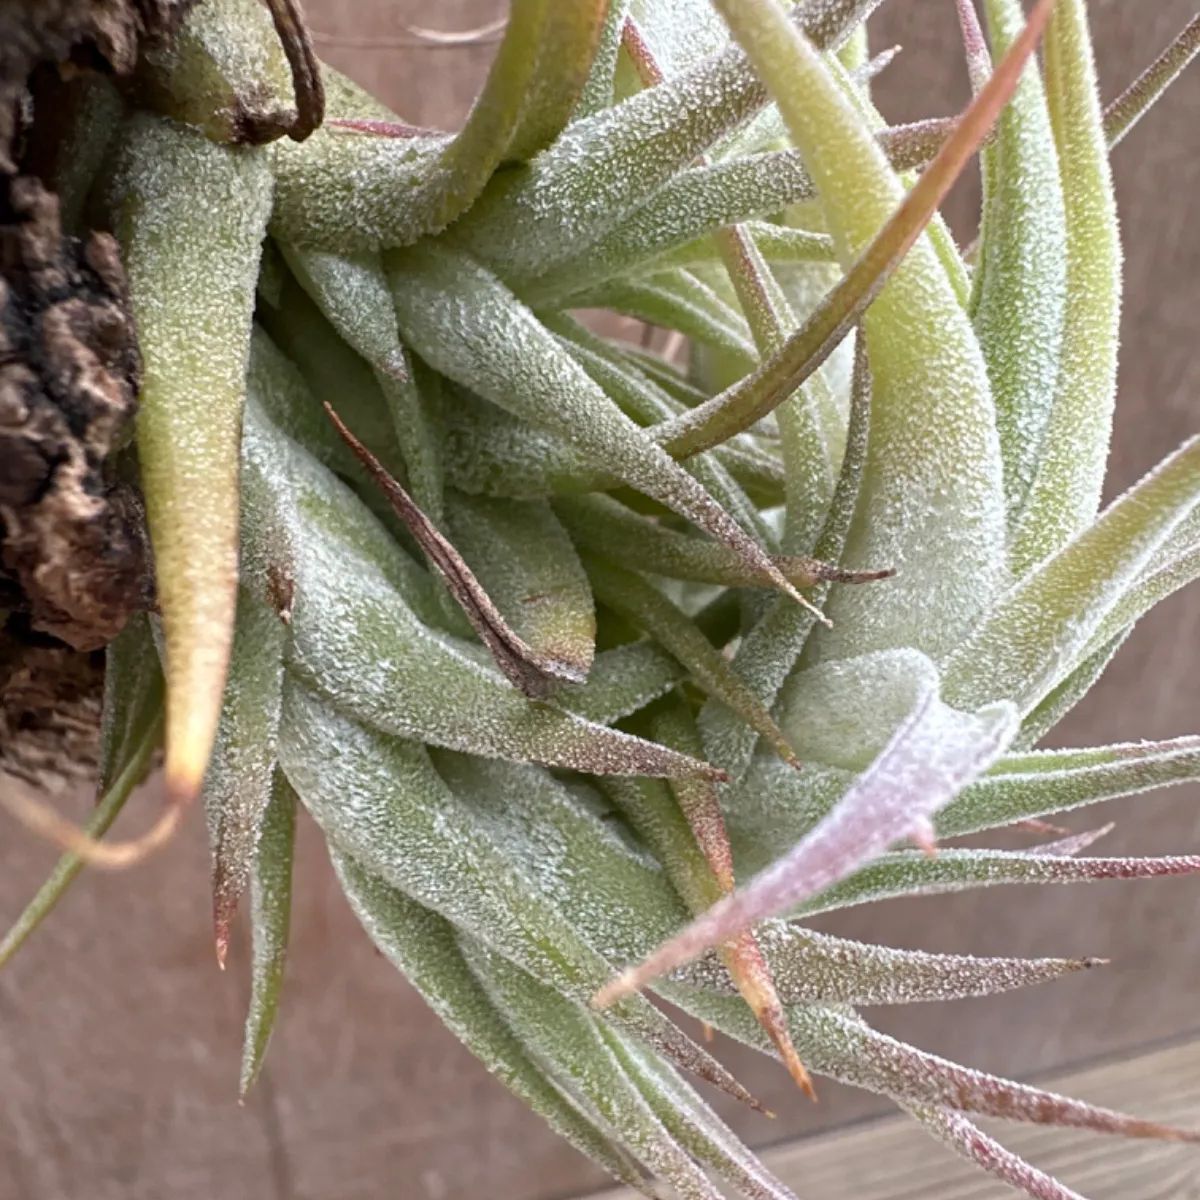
[557,641]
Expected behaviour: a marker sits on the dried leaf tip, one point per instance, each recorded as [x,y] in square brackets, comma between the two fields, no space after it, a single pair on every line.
[532,672]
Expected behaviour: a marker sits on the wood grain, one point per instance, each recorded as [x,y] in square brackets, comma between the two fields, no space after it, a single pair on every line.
[894,1159]
[119,1039]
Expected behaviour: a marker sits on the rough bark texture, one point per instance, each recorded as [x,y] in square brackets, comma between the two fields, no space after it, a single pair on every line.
[102,34]
[73,541]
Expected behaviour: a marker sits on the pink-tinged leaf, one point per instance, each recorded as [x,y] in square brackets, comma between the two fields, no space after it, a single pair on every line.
[685,830]
[984,1151]
[934,753]
[851,1051]
[844,1047]
[388,129]
[979,61]
[1141,95]
[812,968]
[911,874]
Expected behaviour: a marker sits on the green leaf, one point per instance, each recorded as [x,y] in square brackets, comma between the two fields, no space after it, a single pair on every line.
[1066,490]
[410,828]
[678,300]
[1042,628]
[348,191]
[270,517]
[598,91]
[465,323]
[238,784]
[769,650]
[642,604]
[928,374]
[604,167]
[647,401]
[1020,283]
[571,1047]
[569,40]
[525,560]
[1064,696]
[608,528]
[622,680]
[355,637]
[697,1129]
[423,947]
[531,668]
[190,216]
[810,967]
[692,205]
[270,923]
[131,732]
[352,292]
[1169,570]
[1051,781]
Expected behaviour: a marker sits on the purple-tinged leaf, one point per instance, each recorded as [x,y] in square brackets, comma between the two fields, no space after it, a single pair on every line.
[1142,94]
[909,873]
[844,1047]
[979,60]
[967,1139]
[934,753]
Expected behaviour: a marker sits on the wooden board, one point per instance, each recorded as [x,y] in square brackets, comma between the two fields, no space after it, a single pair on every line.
[894,1159]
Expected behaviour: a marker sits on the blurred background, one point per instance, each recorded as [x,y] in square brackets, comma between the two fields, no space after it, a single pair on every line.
[120,1040]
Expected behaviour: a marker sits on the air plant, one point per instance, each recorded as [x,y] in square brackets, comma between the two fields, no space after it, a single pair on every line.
[557,640]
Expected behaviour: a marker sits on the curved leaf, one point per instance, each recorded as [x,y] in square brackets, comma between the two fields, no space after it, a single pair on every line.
[934,753]
[1041,629]
[191,216]
[1020,282]
[1066,488]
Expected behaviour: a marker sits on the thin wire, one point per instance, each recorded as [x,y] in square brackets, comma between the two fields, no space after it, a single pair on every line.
[416,37]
